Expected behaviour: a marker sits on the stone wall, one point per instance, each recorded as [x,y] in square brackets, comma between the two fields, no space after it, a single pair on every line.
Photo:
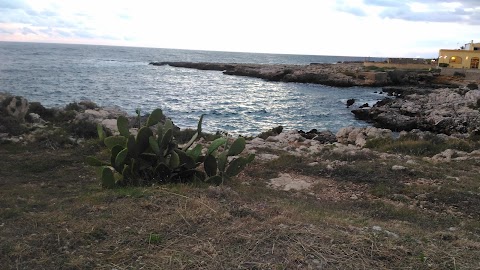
[400,66]
[470,74]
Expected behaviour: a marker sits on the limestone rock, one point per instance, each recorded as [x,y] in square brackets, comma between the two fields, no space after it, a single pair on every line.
[14,106]
[359,136]
[287,182]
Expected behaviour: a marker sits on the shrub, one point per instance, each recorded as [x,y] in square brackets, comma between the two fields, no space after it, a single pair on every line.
[11,125]
[38,108]
[83,129]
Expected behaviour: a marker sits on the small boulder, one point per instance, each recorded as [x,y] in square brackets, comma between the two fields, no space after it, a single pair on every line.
[14,106]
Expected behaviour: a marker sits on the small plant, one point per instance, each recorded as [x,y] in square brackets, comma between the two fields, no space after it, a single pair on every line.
[154,156]
[154,238]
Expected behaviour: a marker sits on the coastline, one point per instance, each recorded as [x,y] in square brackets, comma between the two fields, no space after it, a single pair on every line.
[339,75]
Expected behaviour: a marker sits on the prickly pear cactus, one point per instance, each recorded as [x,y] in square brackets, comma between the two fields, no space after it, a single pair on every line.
[153,156]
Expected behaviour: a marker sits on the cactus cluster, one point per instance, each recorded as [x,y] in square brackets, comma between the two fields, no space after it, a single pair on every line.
[153,156]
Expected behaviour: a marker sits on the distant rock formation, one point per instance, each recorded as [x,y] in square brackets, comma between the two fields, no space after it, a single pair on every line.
[443,110]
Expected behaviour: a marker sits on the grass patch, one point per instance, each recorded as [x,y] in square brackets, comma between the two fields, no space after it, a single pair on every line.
[372,173]
[285,163]
[415,146]
[385,212]
[351,156]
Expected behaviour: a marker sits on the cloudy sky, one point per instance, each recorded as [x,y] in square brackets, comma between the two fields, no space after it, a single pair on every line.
[384,28]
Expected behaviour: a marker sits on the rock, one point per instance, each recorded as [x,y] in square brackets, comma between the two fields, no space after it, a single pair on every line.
[350,102]
[13,106]
[106,116]
[325,136]
[339,74]
[449,155]
[35,118]
[359,136]
[272,132]
[266,157]
[286,182]
[398,168]
[439,110]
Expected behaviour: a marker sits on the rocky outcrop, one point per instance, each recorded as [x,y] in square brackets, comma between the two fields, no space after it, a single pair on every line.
[107,117]
[339,74]
[441,111]
[359,135]
[13,106]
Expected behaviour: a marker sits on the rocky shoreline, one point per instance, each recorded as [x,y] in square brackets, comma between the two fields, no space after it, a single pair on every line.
[424,100]
[338,75]
[419,100]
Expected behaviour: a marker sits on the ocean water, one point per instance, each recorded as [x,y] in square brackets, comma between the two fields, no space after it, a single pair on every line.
[58,74]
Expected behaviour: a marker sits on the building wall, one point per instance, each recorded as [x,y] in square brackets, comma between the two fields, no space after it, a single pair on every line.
[445,56]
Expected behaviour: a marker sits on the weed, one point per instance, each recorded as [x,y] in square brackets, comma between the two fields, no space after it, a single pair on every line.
[11,125]
[83,129]
[10,213]
[97,234]
[133,192]
[154,239]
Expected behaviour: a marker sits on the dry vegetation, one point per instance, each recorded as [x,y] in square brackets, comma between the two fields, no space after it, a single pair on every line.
[360,214]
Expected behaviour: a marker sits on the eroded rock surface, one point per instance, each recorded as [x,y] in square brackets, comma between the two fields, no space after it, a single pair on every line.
[441,111]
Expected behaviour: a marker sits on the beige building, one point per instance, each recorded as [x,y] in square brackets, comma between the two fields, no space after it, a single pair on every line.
[467,57]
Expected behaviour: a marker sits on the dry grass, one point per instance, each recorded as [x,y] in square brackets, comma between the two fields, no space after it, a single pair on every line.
[54,215]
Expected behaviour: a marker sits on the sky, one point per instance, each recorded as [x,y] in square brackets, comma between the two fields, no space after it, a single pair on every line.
[375,28]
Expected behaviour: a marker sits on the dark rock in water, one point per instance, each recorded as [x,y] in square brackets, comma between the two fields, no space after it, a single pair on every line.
[350,102]
[322,136]
[362,114]
[326,137]
[308,135]
[272,132]
[364,106]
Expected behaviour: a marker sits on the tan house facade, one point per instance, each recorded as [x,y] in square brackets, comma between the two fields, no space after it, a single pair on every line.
[467,57]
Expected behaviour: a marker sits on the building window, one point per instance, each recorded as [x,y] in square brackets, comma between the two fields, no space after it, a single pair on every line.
[474,62]
[455,60]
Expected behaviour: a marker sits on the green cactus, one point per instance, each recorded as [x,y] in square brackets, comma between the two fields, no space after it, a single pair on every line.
[154,118]
[108,180]
[142,141]
[237,147]
[111,141]
[122,125]
[154,156]
[101,132]
[210,165]
[216,144]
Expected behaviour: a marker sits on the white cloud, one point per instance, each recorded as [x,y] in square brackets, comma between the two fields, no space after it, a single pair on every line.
[329,27]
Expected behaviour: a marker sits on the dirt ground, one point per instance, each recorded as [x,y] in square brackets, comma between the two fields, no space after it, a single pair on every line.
[361,214]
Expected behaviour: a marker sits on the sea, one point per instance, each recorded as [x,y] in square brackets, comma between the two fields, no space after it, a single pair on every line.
[110,76]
